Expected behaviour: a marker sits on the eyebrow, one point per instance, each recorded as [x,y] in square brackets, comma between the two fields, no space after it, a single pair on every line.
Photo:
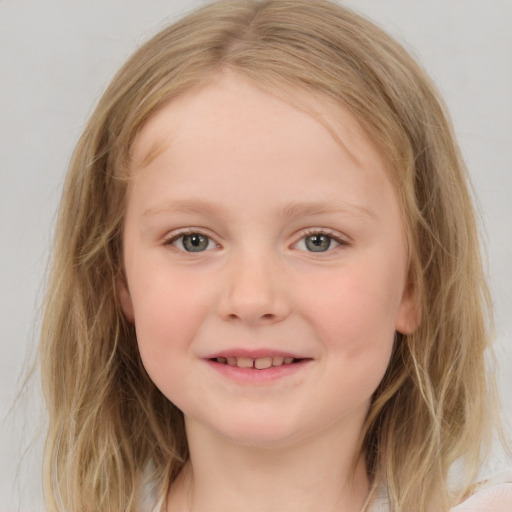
[305,209]
[186,206]
[288,210]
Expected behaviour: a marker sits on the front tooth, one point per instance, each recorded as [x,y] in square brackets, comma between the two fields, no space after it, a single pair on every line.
[232,361]
[245,362]
[288,360]
[263,363]
[277,361]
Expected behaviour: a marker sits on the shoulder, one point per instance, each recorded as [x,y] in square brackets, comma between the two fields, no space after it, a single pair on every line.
[492,495]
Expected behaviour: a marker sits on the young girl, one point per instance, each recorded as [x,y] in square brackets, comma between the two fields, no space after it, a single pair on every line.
[266,292]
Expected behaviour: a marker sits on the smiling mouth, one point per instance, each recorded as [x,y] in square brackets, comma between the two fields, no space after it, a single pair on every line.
[261,363]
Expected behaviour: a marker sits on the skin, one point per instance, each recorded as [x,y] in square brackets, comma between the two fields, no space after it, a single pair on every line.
[243,168]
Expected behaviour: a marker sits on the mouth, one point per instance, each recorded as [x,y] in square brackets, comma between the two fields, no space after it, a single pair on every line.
[260,363]
[257,367]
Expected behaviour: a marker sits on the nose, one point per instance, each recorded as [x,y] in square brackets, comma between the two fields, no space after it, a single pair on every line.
[254,291]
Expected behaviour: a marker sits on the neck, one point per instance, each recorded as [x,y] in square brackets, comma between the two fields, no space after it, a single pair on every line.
[323,472]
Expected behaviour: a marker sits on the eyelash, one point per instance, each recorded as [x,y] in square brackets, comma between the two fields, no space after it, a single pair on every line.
[175,237]
[343,242]
[310,232]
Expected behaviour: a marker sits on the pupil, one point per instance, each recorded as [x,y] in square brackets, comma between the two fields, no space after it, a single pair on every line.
[318,243]
[195,242]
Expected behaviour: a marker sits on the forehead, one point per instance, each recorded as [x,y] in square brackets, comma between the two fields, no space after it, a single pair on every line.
[230,100]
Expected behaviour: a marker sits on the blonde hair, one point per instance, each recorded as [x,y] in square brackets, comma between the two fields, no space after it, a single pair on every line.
[108,423]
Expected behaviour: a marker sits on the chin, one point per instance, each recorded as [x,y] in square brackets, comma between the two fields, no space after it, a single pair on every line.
[261,433]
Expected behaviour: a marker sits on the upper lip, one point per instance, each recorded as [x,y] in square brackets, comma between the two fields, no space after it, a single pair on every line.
[254,353]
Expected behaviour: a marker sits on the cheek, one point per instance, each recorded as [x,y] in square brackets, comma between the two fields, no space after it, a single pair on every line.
[168,313]
[356,311]
[354,321]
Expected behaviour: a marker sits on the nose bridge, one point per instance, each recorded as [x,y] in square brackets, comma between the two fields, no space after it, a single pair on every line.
[254,290]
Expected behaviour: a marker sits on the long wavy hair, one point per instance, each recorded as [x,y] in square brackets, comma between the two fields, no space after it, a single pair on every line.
[110,428]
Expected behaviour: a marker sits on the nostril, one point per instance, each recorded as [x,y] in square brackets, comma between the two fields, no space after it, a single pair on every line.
[266,316]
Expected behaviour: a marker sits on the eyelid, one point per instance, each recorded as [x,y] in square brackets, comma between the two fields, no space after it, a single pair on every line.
[336,235]
[171,238]
[341,240]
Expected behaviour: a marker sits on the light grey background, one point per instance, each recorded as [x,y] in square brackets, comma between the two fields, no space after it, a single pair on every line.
[56,57]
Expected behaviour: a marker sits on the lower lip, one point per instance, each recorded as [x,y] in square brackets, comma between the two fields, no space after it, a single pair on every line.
[253,376]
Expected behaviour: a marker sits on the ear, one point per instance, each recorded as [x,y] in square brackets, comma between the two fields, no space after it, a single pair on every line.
[409,312]
[125,299]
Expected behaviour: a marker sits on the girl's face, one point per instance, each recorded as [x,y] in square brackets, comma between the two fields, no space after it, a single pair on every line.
[266,263]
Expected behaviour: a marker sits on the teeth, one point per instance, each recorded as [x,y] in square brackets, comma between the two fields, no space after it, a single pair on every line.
[264,362]
[245,362]
[261,363]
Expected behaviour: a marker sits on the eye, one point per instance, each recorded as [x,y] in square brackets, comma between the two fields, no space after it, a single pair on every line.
[319,242]
[192,242]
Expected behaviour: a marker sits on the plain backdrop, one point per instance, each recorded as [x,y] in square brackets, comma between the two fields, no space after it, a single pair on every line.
[57,56]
